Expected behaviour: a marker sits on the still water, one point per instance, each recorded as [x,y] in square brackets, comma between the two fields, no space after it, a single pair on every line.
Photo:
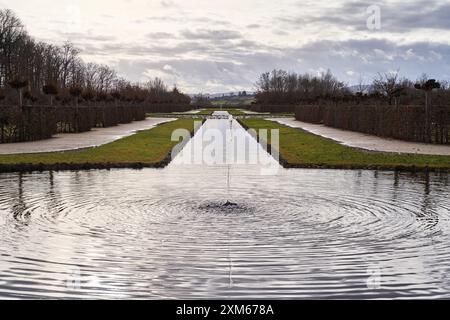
[224,231]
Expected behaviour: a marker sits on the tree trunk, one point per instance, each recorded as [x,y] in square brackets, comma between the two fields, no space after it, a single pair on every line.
[427,119]
[20,98]
[41,126]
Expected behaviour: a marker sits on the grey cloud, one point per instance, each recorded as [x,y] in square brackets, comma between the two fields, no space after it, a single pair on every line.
[205,34]
[168,3]
[211,51]
[395,17]
[372,56]
[161,35]
[211,21]
[223,59]
[223,50]
[237,64]
[86,37]
[212,76]
[183,19]
[279,32]
[254,26]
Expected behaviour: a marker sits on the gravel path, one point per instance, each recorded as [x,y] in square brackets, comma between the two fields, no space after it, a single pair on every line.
[74,141]
[366,141]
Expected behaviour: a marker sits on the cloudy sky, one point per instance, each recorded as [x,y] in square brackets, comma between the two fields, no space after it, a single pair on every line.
[215,46]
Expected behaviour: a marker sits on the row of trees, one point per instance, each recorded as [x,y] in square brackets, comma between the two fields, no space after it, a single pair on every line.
[281,87]
[47,89]
[36,73]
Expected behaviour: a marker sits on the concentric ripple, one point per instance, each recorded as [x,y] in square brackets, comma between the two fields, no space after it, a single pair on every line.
[184,232]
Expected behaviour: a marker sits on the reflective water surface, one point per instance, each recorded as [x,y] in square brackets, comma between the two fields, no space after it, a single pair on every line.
[224,231]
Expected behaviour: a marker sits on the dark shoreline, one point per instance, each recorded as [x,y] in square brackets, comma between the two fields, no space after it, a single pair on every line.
[29,168]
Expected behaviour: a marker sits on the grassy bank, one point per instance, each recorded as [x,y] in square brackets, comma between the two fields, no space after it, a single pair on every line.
[148,148]
[300,149]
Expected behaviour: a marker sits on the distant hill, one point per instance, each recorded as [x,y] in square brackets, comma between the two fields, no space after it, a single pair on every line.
[227,95]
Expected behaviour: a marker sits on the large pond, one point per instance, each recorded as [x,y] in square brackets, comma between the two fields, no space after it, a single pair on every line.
[224,231]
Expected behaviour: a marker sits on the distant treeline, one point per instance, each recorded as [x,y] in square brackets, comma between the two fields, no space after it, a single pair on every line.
[46,89]
[281,87]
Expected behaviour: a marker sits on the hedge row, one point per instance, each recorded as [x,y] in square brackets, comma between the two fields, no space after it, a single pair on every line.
[272,108]
[32,123]
[402,122]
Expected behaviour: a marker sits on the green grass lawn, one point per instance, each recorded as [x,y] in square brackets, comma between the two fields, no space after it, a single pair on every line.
[210,111]
[302,149]
[145,147]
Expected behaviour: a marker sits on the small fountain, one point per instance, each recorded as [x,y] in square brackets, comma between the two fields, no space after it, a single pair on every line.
[229,203]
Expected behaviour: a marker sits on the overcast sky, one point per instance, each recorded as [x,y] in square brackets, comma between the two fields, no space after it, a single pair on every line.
[215,46]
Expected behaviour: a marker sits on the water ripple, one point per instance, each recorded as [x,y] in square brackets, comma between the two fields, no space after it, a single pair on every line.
[296,235]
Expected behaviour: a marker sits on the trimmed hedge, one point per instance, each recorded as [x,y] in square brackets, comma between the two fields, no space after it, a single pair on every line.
[272,108]
[26,124]
[40,122]
[167,108]
[402,122]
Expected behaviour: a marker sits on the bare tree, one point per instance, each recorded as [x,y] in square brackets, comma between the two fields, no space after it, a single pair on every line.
[427,85]
[105,78]
[279,87]
[390,85]
[68,54]
[19,84]
[11,34]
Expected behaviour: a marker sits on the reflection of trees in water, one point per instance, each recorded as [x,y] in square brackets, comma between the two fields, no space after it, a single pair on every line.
[375,181]
[396,187]
[428,207]
[429,211]
[396,179]
[52,201]
[19,208]
[22,213]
